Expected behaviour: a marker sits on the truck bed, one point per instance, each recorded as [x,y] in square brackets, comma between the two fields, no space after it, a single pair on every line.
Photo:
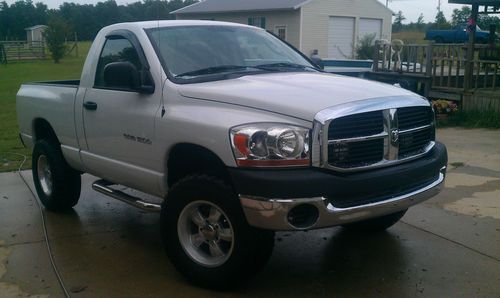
[52,101]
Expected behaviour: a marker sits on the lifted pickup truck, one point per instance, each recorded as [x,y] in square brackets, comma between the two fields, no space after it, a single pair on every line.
[240,134]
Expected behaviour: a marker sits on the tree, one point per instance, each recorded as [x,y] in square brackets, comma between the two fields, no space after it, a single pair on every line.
[398,21]
[55,37]
[441,22]
[460,16]
[420,22]
[85,19]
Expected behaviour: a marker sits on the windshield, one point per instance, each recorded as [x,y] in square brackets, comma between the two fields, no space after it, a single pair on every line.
[193,51]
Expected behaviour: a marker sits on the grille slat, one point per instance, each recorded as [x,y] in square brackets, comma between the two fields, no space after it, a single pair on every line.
[356,125]
[414,143]
[413,117]
[350,154]
[347,154]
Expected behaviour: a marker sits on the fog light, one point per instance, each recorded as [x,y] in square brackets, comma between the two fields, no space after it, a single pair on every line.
[303,216]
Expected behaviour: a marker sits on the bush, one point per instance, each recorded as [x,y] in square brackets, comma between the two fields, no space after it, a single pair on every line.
[472,119]
[366,47]
[55,37]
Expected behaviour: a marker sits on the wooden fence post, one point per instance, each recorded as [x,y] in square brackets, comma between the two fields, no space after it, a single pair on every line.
[428,68]
[469,61]
[376,54]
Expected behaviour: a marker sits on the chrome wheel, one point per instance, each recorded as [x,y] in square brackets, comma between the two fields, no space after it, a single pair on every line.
[44,174]
[205,233]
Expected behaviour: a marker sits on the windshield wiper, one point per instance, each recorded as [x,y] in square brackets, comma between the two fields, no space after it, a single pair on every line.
[213,70]
[288,65]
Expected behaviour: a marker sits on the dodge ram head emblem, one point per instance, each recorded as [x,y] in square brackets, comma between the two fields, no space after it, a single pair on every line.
[395,136]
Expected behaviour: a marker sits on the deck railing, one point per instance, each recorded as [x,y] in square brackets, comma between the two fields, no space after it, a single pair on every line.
[444,64]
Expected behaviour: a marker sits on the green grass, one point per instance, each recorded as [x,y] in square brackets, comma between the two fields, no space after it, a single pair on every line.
[474,119]
[12,76]
[410,37]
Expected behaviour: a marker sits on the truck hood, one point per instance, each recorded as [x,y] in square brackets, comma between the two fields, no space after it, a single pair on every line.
[299,95]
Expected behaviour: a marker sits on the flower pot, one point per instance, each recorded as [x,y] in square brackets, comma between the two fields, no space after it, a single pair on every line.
[441,116]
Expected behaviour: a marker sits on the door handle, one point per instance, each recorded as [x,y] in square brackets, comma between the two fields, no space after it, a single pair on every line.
[90,105]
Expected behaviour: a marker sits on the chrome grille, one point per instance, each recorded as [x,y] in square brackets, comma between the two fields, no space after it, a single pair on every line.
[378,138]
[413,117]
[415,142]
[358,125]
[356,153]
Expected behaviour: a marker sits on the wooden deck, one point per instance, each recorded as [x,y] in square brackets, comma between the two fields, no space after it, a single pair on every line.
[444,64]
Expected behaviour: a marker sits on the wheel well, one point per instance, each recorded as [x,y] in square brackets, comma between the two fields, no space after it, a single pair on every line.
[43,131]
[186,159]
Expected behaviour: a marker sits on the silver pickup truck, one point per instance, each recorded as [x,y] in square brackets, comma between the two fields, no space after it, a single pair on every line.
[238,132]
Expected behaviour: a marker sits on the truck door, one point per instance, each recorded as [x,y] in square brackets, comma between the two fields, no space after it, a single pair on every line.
[119,122]
[461,34]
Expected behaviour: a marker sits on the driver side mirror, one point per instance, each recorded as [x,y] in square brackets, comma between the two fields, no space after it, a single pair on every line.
[125,76]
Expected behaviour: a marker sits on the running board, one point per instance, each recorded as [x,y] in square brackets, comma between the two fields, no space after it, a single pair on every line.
[102,186]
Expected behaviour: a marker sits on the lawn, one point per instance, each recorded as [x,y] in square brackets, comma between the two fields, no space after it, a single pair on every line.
[410,37]
[12,76]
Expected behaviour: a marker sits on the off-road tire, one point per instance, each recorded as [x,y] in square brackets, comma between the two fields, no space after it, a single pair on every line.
[377,224]
[252,247]
[65,181]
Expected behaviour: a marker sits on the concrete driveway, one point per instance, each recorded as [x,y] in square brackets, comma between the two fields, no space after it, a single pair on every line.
[447,247]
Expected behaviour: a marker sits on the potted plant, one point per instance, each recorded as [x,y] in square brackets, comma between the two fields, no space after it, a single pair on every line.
[443,108]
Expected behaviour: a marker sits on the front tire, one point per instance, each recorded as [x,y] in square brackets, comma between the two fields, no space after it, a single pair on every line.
[57,184]
[207,237]
[377,224]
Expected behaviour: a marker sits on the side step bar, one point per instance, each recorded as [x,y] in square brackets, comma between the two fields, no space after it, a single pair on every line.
[102,186]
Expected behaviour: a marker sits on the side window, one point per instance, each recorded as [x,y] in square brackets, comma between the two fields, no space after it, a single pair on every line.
[280,31]
[257,22]
[115,50]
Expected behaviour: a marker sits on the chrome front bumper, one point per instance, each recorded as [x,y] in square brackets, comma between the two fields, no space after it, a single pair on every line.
[272,214]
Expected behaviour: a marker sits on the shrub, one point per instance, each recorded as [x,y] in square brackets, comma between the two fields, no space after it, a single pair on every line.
[366,47]
[55,37]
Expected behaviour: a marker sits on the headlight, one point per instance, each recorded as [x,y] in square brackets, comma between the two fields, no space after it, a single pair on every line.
[270,145]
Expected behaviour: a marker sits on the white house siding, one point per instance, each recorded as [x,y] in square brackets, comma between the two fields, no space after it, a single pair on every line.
[290,19]
[316,17]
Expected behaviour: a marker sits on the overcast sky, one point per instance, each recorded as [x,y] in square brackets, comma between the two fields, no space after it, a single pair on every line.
[410,8]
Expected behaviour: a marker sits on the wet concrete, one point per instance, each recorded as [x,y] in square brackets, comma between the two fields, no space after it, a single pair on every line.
[447,246]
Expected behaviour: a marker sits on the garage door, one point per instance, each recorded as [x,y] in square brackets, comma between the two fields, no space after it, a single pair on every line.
[370,26]
[340,37]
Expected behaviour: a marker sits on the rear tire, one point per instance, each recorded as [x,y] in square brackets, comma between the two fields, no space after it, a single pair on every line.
[57,184]
[377,224]
[206,235]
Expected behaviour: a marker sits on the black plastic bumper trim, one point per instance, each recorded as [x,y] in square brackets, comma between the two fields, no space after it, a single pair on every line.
[315,182]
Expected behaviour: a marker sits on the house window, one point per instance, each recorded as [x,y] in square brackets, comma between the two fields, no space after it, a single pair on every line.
[257,22]
[280,31]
